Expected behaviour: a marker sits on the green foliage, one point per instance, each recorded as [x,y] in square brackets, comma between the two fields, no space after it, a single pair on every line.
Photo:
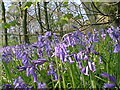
[26,5]
[78,17]
[69,16]
[65,4]
[10,24]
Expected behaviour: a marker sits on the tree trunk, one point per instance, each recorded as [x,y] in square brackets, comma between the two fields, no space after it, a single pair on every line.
[39,17]
[21,15]
[25,33]
[58,15]
[46,16]
[118,18]
[4,20]
[92,18]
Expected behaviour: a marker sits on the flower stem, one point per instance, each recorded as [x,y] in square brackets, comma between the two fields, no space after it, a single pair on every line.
[64,85]
[71,73]
[58,72]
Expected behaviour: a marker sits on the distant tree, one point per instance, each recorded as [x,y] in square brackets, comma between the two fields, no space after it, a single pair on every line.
[39,17]
[4,21]
[46,16]
[25,32]
[102,13]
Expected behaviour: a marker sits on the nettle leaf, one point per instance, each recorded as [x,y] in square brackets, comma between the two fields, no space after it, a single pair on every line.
[69,16]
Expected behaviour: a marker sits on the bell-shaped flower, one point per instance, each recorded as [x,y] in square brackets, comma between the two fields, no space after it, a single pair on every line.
[42,85]
[85,70]
[117,48]
[92,66]
[39,61]
[110,85]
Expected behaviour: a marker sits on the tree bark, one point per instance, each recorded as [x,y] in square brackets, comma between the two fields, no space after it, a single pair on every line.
[39,17]
[46,16]
[118,18]
[25,33]
[4,21]
[61,26]
[21,15]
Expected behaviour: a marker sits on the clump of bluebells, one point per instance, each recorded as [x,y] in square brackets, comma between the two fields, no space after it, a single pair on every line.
[112,79]
[74,61]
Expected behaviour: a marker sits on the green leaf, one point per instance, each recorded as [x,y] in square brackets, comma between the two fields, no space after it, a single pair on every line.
[64,22]
[65,4]
[6,25]
[78,17]
[12,23]
[69,16]
[26,5]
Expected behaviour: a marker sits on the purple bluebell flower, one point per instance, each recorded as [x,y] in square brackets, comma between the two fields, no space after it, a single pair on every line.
[116,34]
[117,48]
[62,56]
[32,72]
[37,33]
[105,75]
[69,41]
[48,34]
[80,55]
[100,58]
[55,77]
[92,66]
[42,85]
[53,72]
[19,83]
[28,72]
[80,64]
[40,52]
[22,68]
[70,60]
[103,35]
[86,57]
[75,27]
[85,70]
[7,55]
[7,86]
[39,61]
[111,77]
[75,56]
[65,60]
[26,62]
[109,30]
[110,85]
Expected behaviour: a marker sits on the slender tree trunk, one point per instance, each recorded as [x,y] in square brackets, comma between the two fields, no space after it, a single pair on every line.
[46,16]
[4,20]
[21,14]
[25,33]
[58,15]
[118,19]
[39,17]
